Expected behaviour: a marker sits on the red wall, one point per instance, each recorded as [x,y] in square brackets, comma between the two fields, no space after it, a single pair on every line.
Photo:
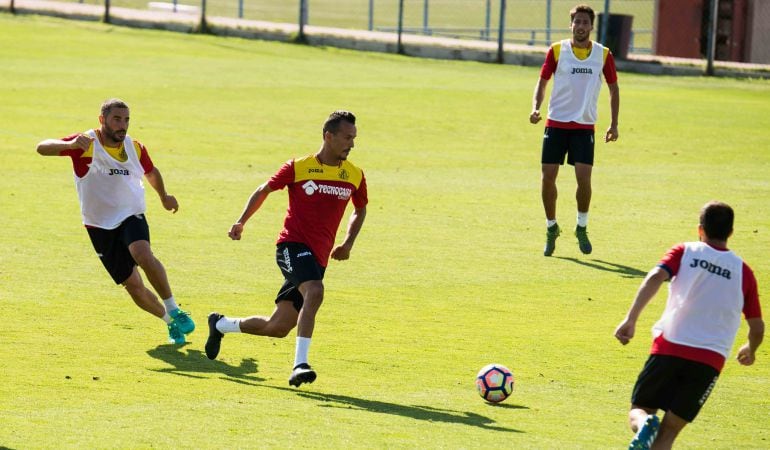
[678,28]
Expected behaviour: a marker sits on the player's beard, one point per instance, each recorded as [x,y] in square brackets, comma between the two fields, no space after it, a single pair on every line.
[585,37]
[114,135]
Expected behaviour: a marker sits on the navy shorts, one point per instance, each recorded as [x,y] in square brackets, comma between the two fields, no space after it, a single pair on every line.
[577,145]
[298,264]
[112,245]
[674,384]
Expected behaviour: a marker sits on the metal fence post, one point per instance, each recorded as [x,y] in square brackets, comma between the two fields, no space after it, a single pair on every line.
[13,7]
[501,34]
[302,18]
[605,22]
[240,9]
[487,20]
[425,17]
[371,15]
[548,22]
[400,46]
[711,41]
[203,27]
[106,17]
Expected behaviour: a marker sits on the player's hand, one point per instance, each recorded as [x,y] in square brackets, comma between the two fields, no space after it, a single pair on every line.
[341,253]
[625,331]
[612,134]
[534,116]
[170,203]
[235,231]
[82,141]
[745,355]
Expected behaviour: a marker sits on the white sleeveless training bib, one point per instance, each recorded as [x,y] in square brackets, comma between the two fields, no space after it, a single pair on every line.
[576,85]
[705,300]
[111,190]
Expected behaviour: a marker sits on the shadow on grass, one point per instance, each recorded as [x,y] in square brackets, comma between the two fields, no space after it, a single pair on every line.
[624,271]
[194,361]
[418,412]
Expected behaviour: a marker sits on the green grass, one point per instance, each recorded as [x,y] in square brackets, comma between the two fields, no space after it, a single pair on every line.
[447,274]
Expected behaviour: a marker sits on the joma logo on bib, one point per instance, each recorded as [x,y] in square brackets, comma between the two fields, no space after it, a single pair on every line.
[581,70]
[710,267]
[118,172]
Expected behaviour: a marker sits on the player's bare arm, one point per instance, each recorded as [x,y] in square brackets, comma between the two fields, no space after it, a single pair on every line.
[254,203]
[612,131]
[537,100]
[747,353]
[54,147]
[342,251]
[650,286]
[156,181]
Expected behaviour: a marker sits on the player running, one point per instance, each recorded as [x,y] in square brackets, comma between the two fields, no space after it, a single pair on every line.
[710,288]
[109,167]
[320,186]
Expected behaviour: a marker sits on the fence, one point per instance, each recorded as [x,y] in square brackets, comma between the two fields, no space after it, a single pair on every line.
[737,30]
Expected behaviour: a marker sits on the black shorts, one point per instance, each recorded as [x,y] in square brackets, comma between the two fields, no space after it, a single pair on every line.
[112,245]
[578,145]
[298,264]
[674,384]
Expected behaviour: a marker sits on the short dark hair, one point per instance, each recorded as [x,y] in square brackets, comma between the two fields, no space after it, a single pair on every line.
[332,124]
[716,218]
[582,8]
[112,103]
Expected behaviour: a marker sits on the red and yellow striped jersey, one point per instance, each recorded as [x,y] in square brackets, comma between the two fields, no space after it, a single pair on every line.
[318,196]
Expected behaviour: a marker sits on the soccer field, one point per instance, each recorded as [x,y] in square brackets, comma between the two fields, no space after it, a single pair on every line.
[446,276]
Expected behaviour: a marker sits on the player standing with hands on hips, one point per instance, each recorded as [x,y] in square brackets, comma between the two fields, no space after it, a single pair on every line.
[109,167]
[710,287]
[320,186]
[577,66]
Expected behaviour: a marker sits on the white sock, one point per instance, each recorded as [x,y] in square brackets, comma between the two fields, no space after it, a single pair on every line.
[582,219]
[166,318]
[170,303]
[228,325]
[549,223]
[300,356]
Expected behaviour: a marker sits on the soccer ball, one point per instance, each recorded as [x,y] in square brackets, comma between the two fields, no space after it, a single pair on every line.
[494,383]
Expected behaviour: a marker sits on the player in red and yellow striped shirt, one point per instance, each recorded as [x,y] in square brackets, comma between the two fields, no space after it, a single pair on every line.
[320,186]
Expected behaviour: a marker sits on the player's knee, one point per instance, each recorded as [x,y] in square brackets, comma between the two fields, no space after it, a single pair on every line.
[278,328]
[133,282]
[548,179]
[134,287]
[142,253]
[314,294]
[144,258]
[281,331]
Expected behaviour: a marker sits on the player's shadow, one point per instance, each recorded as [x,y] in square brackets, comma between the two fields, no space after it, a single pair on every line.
[418,412]
[624,271]
[194,361]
